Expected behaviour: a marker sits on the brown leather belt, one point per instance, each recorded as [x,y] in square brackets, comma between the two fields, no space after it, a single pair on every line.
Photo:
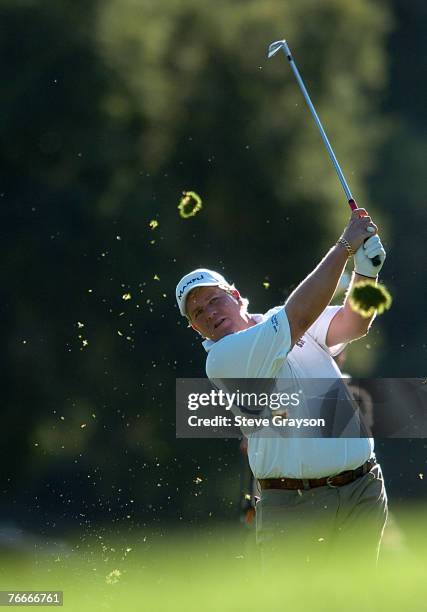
[310,483]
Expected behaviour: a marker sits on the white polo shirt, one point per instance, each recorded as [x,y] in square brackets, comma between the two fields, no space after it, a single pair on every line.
[263,351]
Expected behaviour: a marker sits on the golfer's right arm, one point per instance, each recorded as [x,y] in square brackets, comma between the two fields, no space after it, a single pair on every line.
[307,302]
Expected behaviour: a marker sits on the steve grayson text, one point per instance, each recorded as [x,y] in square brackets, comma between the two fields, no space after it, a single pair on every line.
[242,421]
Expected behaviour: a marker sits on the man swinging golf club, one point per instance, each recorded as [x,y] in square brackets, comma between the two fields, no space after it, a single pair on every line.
[323,493]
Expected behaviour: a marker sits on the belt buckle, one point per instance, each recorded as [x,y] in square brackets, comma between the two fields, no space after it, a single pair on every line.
[329,482]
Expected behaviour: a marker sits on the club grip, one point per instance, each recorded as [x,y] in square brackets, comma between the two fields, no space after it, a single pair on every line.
[376,261]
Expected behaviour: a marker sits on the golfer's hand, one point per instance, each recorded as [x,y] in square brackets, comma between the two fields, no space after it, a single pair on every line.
[364,255]
[360,227]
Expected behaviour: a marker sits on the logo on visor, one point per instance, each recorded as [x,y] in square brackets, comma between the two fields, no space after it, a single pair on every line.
[190,282]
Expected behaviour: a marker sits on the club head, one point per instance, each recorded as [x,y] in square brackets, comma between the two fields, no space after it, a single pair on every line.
[276,46]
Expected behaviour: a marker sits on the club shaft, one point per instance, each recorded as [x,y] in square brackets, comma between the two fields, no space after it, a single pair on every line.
[310,105]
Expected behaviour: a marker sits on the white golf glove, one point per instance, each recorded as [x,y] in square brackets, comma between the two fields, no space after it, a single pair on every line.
[362,259]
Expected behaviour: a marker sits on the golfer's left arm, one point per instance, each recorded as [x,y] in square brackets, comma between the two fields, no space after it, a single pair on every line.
[348,325]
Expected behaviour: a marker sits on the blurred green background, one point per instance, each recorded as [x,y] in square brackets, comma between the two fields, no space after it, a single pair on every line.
[109,111]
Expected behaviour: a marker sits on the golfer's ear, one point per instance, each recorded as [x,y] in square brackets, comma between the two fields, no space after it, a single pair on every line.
[235,294]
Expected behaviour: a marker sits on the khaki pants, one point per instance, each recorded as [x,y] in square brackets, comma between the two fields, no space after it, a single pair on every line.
[316,524]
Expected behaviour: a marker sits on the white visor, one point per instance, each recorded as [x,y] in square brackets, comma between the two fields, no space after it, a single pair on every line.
[202,277]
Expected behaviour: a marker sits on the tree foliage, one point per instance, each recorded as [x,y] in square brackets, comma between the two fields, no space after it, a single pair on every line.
[112,109]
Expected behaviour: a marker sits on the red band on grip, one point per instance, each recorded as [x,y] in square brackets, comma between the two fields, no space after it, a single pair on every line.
[352,204]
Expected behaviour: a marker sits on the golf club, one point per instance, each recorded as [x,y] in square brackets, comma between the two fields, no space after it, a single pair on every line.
[272,50]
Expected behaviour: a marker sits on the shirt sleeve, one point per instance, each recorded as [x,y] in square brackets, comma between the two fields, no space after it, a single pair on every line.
[257,352]
[319,330]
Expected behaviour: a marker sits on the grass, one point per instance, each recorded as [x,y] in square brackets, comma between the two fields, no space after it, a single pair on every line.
[216,569]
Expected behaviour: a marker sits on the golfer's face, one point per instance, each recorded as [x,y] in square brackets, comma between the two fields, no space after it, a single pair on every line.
[214,312]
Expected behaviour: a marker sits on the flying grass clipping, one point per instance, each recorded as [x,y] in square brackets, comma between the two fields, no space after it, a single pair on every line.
[366,298]
[190,204]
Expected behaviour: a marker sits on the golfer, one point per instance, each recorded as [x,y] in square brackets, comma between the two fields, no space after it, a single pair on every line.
[322,494]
